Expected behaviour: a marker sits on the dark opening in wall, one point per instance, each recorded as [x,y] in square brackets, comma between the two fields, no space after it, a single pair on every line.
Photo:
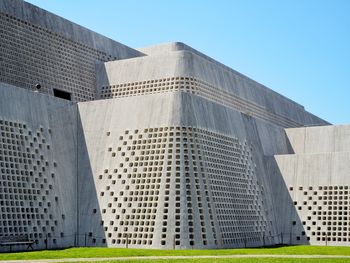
[62,94]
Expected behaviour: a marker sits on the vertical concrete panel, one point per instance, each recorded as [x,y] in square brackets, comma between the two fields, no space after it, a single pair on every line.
[43,160]
[296,138]
[319,139]
[342,138]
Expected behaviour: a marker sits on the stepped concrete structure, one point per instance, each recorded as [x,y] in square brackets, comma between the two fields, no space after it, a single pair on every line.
[159,147]
[317,177]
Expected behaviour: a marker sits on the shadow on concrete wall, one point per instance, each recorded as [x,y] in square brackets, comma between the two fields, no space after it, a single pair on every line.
[286,224]
[90,225]
[102,81]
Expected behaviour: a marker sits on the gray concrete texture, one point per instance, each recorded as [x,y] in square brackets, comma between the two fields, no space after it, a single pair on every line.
[317,177]
[211,80]
[67,29]
[38,167]
[38,47]
[197,122]
[320,139]
[178,151]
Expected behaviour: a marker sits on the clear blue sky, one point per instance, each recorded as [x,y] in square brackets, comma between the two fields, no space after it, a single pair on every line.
[299,48]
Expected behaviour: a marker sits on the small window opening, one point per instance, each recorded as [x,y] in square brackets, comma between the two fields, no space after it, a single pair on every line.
[62,94]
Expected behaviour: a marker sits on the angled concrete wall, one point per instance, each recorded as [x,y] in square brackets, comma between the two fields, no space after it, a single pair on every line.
[188,70]
[320,139]
[317,178]
[179,151]
[65,28]
[38,150]
[38,47]
[195,167]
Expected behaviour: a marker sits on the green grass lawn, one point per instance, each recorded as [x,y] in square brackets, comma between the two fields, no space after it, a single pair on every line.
[123,252]
[240,260]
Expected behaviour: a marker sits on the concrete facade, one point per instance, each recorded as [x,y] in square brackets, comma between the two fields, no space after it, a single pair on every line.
[40,47]
[160,147]
[38,153]
[317,177]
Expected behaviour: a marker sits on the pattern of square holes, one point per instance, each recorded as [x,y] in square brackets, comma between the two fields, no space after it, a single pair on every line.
[27,202]
[324,213]
[198,187]
[30,54]
[198,87]
[236,193]
[129,189]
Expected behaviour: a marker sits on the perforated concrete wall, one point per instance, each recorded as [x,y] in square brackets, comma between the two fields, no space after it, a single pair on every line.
[180,171]
[190,71]
[37,168]
[317,178]
[39,47]
[194,86]
[179,152]
[157,168]
[173,181]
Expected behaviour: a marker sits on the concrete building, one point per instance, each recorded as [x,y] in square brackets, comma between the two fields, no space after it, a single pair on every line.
[160,147]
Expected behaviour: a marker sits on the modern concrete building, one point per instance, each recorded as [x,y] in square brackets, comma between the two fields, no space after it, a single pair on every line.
[160,147]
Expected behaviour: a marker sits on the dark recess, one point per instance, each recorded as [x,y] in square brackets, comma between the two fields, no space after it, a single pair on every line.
[62,94]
